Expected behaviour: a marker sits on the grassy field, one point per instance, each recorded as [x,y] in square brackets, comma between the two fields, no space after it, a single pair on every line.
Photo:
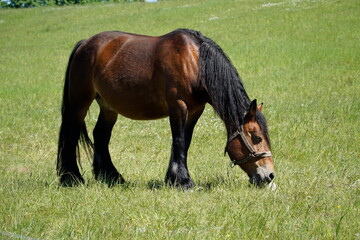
[301,58]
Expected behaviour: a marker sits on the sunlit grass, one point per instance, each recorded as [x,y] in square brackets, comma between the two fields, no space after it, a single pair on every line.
[301,58]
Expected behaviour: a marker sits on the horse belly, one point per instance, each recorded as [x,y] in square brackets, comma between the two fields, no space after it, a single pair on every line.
[139,106]
[139,98]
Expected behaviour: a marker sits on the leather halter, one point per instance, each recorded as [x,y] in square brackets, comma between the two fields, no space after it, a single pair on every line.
[252,153]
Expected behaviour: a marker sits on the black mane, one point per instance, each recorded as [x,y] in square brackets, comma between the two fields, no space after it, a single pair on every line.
[225,88]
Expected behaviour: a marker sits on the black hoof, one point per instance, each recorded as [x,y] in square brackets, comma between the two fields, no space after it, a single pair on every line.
[184,183]
[110,178]
[71,180]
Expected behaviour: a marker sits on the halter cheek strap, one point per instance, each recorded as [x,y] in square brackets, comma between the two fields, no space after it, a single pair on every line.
[252,153]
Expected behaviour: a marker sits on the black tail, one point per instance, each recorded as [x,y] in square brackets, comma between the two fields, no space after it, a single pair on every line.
[66,126]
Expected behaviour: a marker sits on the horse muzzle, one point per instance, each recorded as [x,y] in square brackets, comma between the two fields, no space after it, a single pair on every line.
[262,176]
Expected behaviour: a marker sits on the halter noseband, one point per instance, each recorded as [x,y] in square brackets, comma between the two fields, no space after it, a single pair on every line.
[252,155]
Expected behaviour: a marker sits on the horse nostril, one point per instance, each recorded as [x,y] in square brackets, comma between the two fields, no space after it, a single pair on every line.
[271,176]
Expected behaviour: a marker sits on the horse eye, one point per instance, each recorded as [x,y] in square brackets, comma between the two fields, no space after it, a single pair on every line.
[256,139]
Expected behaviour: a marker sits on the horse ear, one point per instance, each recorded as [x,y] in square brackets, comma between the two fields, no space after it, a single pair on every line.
[259,108]
[252,111]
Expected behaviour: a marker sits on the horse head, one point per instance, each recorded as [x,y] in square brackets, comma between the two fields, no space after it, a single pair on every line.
[249,147]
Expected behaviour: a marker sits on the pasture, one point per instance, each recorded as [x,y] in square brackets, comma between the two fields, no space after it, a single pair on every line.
[301,58]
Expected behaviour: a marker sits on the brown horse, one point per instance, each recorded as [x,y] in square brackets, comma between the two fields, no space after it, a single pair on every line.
[144,78]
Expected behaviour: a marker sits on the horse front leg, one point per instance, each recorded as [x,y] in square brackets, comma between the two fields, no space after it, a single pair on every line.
[178,174]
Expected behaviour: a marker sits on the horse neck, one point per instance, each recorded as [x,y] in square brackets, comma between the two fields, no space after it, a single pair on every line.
[231,107]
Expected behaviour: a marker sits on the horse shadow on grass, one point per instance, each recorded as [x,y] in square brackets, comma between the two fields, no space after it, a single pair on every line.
[207,185]
[155,184]
[159,184]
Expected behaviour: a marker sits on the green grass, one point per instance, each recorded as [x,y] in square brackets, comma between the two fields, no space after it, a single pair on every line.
[301,58]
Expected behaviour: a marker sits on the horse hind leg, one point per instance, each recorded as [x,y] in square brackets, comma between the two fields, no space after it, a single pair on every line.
[72,130]
[103,168]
